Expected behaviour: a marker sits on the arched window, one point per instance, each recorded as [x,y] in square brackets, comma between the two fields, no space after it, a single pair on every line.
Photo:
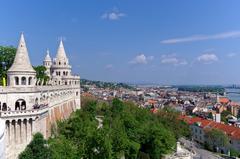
[29,80]
[65,82]
[4,107]
[59,63]
[20,104]
[23,81]
[76,93]
[16,81]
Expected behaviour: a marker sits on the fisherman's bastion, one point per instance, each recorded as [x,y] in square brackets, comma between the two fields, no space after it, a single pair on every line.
[27,106]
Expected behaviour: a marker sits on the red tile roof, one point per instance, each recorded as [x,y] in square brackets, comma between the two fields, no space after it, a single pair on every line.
[223,100]
[232,132]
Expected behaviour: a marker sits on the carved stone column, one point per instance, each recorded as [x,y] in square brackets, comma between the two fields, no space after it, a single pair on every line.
[7,133]
[29,130]
[21,133]
[25,131]
[18,132]
[12,133]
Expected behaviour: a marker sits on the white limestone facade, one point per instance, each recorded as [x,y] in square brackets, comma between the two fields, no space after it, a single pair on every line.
[27,106]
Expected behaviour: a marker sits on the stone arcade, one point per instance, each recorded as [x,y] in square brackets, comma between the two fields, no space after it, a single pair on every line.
[27,106]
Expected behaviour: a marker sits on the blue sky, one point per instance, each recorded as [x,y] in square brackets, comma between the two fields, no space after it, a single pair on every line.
[165,42]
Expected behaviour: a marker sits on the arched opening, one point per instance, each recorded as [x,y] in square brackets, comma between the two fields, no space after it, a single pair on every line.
[23,81]
[29,80]
[65,82]
[4,107]
[36,101]
[16,81]
[30,123]
[36,105]
[59,63]
[8,130]
[19,126]
[76,93]
[59,82]
[13,125]
[20,104]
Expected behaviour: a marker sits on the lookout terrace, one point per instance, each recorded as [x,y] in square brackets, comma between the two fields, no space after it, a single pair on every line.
[27,106]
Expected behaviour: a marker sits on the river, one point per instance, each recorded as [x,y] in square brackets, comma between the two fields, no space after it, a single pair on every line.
[233,96]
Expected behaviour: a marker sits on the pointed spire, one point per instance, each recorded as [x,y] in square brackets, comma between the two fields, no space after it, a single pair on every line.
[47,57]
[61,51]
[21,61]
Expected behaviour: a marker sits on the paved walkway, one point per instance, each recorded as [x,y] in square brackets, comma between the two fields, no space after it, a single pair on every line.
[199,152]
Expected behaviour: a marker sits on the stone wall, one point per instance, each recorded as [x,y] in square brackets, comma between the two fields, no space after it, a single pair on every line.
[19,130]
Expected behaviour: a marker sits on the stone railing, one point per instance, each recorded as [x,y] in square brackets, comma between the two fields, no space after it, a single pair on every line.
[36,88]
[19,113]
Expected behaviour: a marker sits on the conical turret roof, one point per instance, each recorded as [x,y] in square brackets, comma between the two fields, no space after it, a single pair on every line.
[21,62]
[61,52]
[47,57]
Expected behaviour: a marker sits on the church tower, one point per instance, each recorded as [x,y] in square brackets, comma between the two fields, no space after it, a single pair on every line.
[21,73]
[47,62]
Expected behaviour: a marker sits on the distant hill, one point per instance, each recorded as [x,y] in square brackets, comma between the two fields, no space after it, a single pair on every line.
[102,84]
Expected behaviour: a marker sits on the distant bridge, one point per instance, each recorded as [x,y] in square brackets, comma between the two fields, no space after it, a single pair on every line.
[232,92]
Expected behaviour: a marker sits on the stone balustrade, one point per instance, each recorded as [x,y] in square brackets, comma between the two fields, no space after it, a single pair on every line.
[23,113]
[37,88]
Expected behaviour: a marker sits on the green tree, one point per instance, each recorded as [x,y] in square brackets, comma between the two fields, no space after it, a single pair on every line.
[7,54]
[158,141]
[128,131]
[41,74]
[216,139]
[224,115]
[36,149]
[61,148]
[169,118]
[234,153]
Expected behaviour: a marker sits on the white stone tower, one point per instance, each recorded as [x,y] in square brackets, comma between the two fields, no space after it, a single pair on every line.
[48,63]
[21,73]
[61,68]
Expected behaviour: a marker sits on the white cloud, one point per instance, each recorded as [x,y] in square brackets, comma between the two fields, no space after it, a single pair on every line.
[230,55]
[224,35]
[109,66]
[150,58]
[207,58]
[113,15]
[172,59]
[141,59]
